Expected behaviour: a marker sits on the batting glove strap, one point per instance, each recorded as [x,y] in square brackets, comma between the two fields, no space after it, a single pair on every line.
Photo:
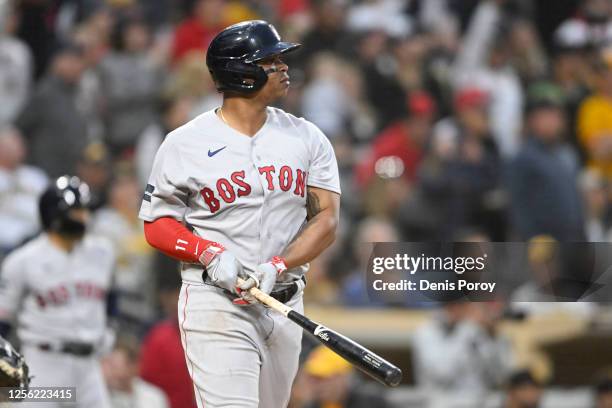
[211,250]
[252,275]
[279,264]
[244,298]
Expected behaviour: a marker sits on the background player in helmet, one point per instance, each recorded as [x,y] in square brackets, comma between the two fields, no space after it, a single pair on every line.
[259,190]
[56,285]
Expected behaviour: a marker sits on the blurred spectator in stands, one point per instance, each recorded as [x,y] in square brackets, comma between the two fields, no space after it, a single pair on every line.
[570,35]
[555,276]
[603,393]
[323,274]
[591,24]
[36,29]
[597,207]
[382,88]
[131,81]
[461,351]
[354,291]
[208,17]
[52,122]
[333,383]
[328,32]
[527,56]
[409,54]
[595,119]
[404,139]
[94,37]
[572,71]
[133,280]
[461,170]
[94,168]
[160,13]
[385,15]
[289,10]
[543,258]
[16,67]
[127,390]
[324,100]
[436,16]
[523,391]
[100,24]
[542,178]
[171,113]
[162,360]
[20,186]
[66,16]
[301,391]
[484,62]
[443,44]
[191,79]
[333,99]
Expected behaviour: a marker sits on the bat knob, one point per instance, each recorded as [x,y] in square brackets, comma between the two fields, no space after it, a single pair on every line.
[393,377]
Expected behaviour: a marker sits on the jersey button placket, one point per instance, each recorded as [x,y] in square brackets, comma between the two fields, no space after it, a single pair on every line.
[256,159]
[73,269]
[255,153]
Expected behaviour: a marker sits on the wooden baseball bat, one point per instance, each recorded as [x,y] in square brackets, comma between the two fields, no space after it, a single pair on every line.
[359,356]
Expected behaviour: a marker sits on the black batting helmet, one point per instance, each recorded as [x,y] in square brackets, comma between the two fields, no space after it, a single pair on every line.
[232,55]
[65,194]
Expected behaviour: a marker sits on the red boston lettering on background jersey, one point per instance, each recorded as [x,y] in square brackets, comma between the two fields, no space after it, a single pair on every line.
[60,295]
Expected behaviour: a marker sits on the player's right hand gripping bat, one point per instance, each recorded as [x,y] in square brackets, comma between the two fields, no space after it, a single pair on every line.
[362,358]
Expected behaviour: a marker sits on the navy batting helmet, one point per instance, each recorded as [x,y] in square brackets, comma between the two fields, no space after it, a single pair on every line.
[232,55]
[65,194]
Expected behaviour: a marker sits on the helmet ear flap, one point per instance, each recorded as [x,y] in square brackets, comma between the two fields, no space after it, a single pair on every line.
[240,77]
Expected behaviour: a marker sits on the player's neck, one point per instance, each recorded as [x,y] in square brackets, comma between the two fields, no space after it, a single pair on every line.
[244,115]
[60,242]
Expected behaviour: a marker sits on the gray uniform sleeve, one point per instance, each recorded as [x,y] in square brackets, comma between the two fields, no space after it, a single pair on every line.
[12,287]
[323,171]
[166,193]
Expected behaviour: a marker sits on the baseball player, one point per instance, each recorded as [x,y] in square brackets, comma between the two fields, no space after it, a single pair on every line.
[249,191]
[56,286]
[13,370]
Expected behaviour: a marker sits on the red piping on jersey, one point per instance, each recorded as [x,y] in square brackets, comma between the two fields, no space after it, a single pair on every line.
[184,333]
[174,239]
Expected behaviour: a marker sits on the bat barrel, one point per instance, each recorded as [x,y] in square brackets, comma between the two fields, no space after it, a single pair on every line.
[362,358]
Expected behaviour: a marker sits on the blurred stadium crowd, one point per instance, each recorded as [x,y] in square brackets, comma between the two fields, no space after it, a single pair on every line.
[451,120]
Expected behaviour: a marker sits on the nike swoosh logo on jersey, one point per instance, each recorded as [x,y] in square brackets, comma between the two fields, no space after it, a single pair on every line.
[211,154]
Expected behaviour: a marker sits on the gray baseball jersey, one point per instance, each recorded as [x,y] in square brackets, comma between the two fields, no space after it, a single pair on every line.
[57,296]
[247,193]
[60,297]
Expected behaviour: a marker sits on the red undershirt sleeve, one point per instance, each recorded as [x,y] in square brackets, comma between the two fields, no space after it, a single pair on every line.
[174,239]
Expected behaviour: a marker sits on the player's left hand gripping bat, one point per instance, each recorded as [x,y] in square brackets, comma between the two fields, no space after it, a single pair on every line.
[359,356]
